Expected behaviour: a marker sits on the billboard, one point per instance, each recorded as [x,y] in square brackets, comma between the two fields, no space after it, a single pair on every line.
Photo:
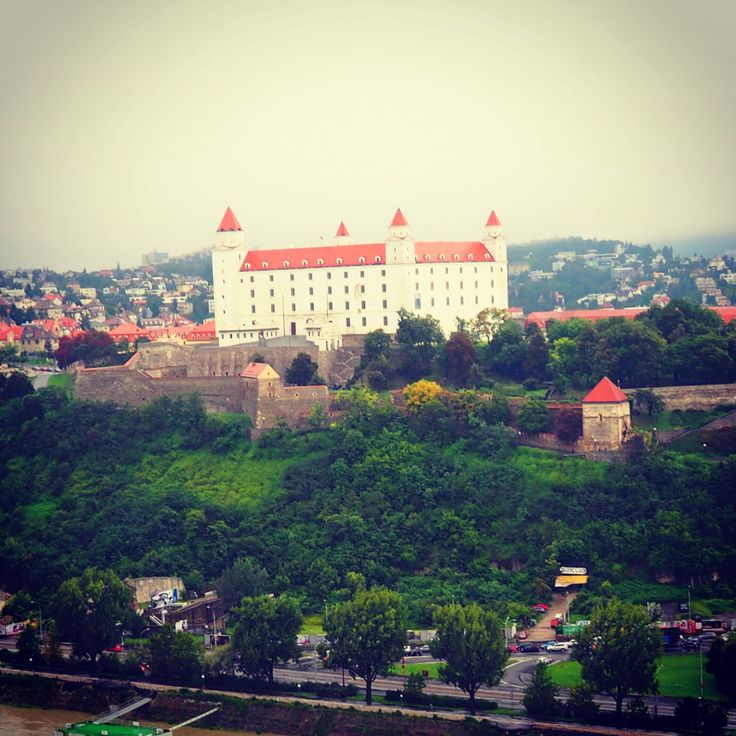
[165,597]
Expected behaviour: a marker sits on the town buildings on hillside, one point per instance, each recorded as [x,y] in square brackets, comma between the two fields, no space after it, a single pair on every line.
[327,291]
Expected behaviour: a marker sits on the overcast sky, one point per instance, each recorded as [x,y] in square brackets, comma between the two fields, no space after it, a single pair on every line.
[131,126]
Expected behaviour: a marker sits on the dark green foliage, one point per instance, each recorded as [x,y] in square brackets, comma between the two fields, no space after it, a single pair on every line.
[618,651]
[366,634]
[533,417]
[470,640]
[376,345]
[14,386]
[722,665]
[92,347]
[303,371]
[701,716]
[88,608]
[419,339]
[540,697]
[459,358]
[265,633]
[245,577]
[175,655]
[28,646]
[569,424]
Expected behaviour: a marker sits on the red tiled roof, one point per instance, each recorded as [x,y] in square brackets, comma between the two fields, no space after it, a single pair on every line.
[728,314]
[315,256]
[342,231]
[493,220]
[229,222]
[605,392]
[399,220]
[253,370]
[470,250]
[325,256]
[541,318]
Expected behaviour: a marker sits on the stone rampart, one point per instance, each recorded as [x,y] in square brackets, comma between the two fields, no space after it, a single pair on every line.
[694,398]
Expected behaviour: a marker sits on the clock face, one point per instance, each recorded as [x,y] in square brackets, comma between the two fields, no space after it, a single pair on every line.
[401,234]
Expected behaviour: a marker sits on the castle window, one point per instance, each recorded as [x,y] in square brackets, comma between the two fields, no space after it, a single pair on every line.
[416,286]
[338,261]
[241,281]
[461,284]
[447,285]
[431,285]
[361,260]
[252,278]
[291,277]
[378,260]
[362,273]
[383,288]
[362,305]
[292,292]
[493,299]
[385,321]
[432,301]
[416,271]
[417,302]
[347,305]
[329,305]
[265,264]
[311,291]
[344,274]
[304,262]
[470,256]
[347,321]
[286,264]
[347,289]
[270,278]
[252,309]
[310,276]
[273,307]
[487,256]
[329,290]
[293,307]
[252,294]
[311,306]
[329,275]
[364,322]
[385,304]
[362,289]
[455,257]
[383,270]
[476,300]
[462,300]
[320,262]
[426,256]
[270,292]
[476,284]
[493,284]
[475,269]
[247,265]
[442,256]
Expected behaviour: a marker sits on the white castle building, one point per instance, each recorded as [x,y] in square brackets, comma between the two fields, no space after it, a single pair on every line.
[326,291]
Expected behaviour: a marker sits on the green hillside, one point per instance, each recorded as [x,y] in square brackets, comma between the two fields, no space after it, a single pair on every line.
[433,509]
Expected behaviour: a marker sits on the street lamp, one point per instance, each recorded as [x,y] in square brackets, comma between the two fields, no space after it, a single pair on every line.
[506,632]
[203,682]
[214,630]
[299,689]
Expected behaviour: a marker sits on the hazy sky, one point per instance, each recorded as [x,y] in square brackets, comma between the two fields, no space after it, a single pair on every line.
[130,126]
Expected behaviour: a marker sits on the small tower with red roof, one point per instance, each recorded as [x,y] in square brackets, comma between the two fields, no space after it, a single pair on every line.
[493,238]
[342,236]
[400,243]
[228,253]
[606,417]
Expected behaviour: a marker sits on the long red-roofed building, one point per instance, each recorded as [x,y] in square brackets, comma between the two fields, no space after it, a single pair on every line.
[326,291]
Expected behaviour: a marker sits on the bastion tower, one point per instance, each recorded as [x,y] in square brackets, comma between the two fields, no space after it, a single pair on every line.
[228,253]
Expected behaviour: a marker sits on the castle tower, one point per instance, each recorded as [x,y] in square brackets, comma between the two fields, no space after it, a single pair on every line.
[342,236]
[228,253]
[606,417]
[494,239]
[399,244]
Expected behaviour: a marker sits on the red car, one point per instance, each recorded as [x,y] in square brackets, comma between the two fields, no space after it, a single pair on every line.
[513,648]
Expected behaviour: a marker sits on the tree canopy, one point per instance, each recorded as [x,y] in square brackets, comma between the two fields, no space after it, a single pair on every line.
[366,634]
[470,640]
[618,651]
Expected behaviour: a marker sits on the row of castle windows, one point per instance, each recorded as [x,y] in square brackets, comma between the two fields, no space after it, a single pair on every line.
[376,259]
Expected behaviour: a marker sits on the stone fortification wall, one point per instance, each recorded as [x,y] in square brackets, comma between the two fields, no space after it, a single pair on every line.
[694,398]
[131,387]
[293,405]
[337,366]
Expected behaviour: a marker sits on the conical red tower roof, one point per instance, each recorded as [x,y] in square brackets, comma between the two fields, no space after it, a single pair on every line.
[605,392]
[399,220]
[229,222]
[342,231]
[493,220]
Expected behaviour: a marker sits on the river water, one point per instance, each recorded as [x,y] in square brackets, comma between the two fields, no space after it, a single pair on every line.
[40,722]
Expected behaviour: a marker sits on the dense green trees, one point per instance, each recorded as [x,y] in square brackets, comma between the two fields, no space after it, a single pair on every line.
[175,655]
[265,633]
[366,635]
[89,608]
[722,665]
[540,697]
[618,651]
[419,339]
[470,640]
[303,371]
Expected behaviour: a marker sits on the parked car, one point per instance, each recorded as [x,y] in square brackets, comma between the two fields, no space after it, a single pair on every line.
[540,608]
[691,642]
[708,636]
[513,648]
[522,635]
[558,646]
[529,648]
[547,644]
[545,660]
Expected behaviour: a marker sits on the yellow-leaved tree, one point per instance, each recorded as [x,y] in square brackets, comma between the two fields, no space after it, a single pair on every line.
[419,393]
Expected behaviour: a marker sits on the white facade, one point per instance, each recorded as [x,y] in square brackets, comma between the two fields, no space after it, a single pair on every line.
[324,292]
